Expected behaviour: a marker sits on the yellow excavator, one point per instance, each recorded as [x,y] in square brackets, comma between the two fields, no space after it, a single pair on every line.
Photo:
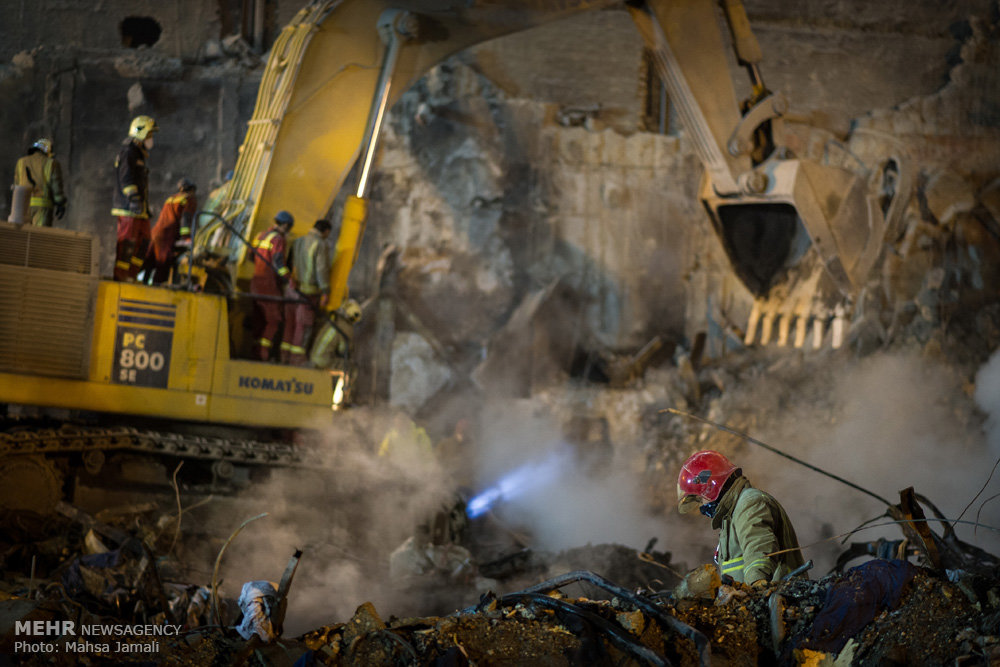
[157,374]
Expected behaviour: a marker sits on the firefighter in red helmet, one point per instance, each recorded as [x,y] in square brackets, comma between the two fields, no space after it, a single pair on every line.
[757,542]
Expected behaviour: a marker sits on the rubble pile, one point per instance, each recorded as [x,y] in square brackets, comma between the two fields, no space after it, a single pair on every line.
[89,590]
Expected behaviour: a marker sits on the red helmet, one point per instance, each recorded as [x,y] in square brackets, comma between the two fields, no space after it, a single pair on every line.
[701,479]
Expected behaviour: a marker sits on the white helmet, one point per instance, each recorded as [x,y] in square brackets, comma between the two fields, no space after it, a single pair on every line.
[44,145]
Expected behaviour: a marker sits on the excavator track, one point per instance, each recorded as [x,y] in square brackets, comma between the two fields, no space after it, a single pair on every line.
[91,439]
[35,462]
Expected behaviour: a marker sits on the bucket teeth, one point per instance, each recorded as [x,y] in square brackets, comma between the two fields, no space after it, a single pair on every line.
[801,327]
[784,327]
[838,326]
[766,326]
[818,332]
[804,325]
[751,333]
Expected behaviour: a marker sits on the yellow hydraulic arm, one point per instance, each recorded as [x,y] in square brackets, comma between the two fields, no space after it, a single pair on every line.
[339,66]
[331,75]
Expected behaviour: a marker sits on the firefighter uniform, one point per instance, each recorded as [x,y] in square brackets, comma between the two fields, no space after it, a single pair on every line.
[333,343]
[270,274]
[130,205]
[753,524]
[173,225]
[311,274]
[42,173]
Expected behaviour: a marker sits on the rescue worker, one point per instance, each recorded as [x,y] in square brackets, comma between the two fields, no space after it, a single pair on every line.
[40,171]
[130,203]
[270,275]
[173,226]
[216,198]
[333,343]
[752,525]
[406,442]
[310,260]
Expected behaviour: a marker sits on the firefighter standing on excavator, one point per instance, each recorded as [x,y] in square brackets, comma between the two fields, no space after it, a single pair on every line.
[40,171]
[270,275]
[130,203]
[333,343]
[752,525]
[310,260]
[173,226]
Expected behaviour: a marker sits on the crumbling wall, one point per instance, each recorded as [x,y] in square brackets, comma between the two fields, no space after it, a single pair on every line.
[183,27]
[66,72]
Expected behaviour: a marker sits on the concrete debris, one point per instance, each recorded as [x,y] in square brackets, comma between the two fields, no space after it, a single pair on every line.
[631,619]
[258,600]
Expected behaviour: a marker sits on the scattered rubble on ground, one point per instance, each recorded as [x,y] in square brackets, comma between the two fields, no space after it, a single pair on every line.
[609,605]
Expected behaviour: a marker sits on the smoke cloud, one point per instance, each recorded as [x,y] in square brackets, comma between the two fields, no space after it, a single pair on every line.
[888,422]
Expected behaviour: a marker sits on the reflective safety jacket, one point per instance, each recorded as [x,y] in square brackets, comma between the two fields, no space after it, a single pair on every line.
[131,197]
[752,524]
[332,345]
[269,260]
[311,263]
[174,223]
[44,175]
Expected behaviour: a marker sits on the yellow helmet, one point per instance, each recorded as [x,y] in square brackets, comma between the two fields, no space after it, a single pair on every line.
[44,145]
[142,127]
[352,311]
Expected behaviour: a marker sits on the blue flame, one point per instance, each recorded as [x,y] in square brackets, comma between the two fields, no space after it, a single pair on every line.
[518,481]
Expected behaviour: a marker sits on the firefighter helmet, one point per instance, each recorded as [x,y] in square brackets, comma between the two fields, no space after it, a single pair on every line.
[142,127]
[43,144]
[186,185]
[284,219]
[352,311]
[701,479]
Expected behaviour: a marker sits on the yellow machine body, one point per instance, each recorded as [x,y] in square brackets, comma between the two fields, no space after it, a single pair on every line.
[73,341]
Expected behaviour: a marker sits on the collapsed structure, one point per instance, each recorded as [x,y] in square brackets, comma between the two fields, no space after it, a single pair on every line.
[932,287]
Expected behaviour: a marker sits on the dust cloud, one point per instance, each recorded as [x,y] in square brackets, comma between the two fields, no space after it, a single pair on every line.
[347,516]
[564,494]
[885,422]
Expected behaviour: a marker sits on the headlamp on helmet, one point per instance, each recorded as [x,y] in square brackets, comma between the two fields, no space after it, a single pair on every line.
[43,144]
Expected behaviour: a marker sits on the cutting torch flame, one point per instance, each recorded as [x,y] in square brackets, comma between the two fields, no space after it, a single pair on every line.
[517,482]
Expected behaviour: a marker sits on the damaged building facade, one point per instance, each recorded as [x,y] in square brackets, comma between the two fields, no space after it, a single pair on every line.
[536,261]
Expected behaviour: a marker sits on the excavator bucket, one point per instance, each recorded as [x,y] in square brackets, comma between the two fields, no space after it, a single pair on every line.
[806,243]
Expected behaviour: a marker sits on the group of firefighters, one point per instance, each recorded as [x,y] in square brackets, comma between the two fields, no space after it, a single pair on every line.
[290,284]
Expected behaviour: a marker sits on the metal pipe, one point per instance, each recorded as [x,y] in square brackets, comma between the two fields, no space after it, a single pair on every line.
[805,567]
[619,637]
[393,25]
[258,26]
[646,606]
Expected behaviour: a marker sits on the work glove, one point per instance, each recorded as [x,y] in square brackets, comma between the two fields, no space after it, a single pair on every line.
[60,211]
[760,584]
[135,205]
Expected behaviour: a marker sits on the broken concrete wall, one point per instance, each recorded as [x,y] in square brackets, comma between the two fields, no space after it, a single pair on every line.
[942,125]
[87,110]
[67,71]
[505,169]
[175,29]
[516,163]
